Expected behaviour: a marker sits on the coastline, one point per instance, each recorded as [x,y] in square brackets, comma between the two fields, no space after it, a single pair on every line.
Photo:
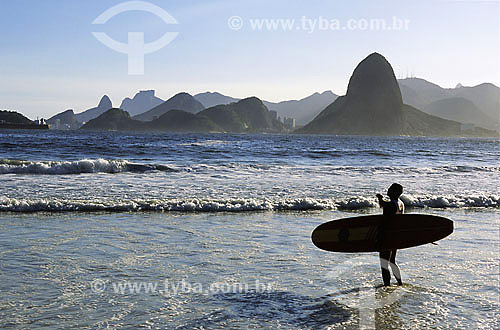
[14,126]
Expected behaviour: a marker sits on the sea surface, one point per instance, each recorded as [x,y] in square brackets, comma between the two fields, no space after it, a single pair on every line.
[208,231]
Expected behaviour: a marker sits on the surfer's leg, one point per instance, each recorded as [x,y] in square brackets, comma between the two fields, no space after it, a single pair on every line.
[395,268]
[384,265]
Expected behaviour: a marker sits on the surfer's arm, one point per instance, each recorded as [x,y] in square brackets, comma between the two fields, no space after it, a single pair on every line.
[381,201]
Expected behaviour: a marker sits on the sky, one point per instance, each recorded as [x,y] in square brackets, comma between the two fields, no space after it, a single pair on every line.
[50,61]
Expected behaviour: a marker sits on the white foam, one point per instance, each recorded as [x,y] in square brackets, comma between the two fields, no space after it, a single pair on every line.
[451,201]
[9,166]
[204,143]
[235,205]
[100,165]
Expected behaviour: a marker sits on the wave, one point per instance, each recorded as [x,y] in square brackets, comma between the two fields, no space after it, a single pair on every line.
[237,205]
[8,166]
[464,168]
[451,201]
[205,143]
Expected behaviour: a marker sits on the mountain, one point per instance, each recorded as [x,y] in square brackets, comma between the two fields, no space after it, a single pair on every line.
[373,105]
[419,123]
[247,115]
[104,105]
[172,121]
[14,117]
[64,120]
[142,102]
[114,120]
[421,94]
[303,110]
[15,120]
[458,109]
[422,90]
[210,99]
[182,121]
[485,96]
[180,101]
[411,97]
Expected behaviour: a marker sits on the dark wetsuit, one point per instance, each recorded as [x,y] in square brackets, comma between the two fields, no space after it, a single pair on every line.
[388,258]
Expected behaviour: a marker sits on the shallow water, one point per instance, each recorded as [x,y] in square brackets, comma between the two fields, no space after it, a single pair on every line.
[53,267]
[213,231]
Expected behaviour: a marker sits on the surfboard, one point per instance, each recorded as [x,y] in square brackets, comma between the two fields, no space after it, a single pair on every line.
[380,232]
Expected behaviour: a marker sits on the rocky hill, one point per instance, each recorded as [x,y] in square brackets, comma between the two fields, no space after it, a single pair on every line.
[103,106]
[246,116]
[141,102]
[181,101]
[114,120]
[373,105]
[479,105]
[65,120]
[16,120]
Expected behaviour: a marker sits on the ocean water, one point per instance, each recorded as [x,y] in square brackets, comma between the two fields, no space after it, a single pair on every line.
[213,231]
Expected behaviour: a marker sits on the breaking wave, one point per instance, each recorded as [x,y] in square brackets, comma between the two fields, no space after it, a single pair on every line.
[11,166]
[237,205]
[8,166]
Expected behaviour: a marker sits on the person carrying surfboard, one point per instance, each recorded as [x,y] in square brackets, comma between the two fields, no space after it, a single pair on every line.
[394,206]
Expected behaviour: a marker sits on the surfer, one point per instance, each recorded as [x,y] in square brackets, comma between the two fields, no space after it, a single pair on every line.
[394,206]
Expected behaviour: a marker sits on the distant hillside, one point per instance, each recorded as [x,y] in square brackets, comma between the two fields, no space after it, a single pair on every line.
[419,123]
[103,106]
[303,110]
[114,120]
[485,96]
[458,109]
[210,99]
[182,121]
[247,115]
[142,102]
[13,117]
[425,95]
[373,105]
[180,101]
[67,120]
[424,91]
[15,120]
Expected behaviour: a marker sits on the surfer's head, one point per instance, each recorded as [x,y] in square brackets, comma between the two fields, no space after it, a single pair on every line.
[395,190]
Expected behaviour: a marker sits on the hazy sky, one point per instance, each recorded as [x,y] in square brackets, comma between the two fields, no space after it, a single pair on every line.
[50,61]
